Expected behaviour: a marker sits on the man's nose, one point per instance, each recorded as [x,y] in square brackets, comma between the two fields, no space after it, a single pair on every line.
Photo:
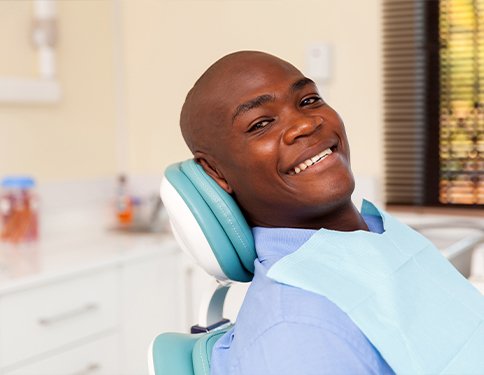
[301,126]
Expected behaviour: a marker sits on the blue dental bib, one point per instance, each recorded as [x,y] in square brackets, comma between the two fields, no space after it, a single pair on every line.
[420,313]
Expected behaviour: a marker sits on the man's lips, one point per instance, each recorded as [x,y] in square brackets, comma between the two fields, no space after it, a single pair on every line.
[312,160]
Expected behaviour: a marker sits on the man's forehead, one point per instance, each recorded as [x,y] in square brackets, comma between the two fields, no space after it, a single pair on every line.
[237,80]
[238,68]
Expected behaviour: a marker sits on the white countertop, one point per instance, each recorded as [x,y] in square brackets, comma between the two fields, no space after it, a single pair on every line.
[66,255]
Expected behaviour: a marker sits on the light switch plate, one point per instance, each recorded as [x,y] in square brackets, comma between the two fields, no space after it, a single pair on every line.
[318,61]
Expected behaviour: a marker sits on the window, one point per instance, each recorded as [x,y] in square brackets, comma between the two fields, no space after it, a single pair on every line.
[434,98]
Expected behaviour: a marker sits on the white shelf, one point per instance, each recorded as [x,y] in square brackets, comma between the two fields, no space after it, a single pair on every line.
[24,90]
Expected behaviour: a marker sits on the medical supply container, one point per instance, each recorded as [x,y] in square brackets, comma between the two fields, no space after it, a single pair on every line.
[19,219]
[124,202]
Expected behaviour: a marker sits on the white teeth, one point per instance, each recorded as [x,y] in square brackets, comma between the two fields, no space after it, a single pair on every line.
[311,161]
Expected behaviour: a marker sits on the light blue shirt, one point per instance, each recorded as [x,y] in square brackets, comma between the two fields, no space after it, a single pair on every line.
[282,330]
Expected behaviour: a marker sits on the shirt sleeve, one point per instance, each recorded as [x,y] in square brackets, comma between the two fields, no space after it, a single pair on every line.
[294,348]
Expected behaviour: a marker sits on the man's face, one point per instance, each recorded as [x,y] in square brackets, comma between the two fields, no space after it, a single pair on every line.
[281,149]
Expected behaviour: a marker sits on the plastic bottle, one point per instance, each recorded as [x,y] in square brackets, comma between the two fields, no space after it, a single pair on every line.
[19,222]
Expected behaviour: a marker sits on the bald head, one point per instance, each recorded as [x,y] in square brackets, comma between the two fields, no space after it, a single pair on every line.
[203,116]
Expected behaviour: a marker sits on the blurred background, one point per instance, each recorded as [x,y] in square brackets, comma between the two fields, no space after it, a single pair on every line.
[90,95]
[125,67]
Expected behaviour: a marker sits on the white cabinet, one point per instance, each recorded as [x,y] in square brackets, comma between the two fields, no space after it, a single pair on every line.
[150,305]
[99,319]
[99,357]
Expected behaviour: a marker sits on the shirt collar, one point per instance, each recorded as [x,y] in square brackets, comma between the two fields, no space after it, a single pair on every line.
[273,244]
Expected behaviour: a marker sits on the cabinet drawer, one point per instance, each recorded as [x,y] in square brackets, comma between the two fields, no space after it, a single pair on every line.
[41,319]
[100,357]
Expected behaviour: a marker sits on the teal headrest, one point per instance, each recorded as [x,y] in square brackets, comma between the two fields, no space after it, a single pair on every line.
[217,215]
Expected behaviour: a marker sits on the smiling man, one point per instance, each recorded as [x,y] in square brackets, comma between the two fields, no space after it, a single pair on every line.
[260,129]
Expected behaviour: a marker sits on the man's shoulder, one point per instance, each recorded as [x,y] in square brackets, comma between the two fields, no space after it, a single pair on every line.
[290,346]
[269,303]
[291,325]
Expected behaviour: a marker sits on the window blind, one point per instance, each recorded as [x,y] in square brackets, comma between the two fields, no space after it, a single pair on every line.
[433,101]
[404,63]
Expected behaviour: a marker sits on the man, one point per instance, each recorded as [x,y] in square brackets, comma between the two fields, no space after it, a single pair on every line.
[260,129]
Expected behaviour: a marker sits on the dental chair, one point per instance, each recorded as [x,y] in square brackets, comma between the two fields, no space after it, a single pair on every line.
[209,226]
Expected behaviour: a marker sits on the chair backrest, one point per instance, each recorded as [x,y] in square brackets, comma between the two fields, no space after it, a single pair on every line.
[211,228]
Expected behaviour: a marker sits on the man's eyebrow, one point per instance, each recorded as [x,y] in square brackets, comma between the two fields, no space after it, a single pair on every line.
[298,85]
[251,104]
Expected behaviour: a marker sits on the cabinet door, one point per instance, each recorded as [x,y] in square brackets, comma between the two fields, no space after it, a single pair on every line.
[48,317]
[151,305]
[99,357]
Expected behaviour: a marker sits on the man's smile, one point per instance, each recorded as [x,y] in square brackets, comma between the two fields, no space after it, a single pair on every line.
[311,161]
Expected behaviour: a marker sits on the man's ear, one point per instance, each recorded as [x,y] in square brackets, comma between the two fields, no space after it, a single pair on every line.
[215,173]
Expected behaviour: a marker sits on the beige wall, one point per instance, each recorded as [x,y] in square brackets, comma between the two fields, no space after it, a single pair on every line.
[74,138]
[167,44]
[17,53]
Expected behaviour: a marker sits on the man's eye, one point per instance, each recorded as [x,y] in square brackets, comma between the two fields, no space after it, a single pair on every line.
[259,125]
[311,100]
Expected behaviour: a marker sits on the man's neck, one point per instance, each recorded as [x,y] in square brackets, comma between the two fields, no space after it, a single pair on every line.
[346,218]
[343,217]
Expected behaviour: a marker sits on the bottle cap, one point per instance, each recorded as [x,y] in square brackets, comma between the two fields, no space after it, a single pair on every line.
[18,182]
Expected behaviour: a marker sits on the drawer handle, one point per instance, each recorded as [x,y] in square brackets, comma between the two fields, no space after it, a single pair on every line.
[90,368]
[49,321]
